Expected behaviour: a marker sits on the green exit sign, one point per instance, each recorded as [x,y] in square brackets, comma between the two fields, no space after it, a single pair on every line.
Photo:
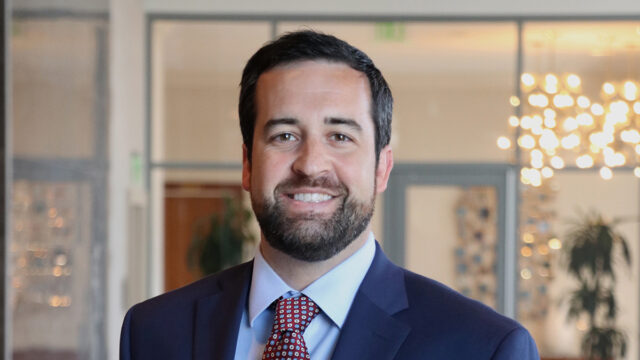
[390,31]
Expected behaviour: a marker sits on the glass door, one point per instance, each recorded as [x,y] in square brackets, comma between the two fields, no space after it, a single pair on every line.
[451,223]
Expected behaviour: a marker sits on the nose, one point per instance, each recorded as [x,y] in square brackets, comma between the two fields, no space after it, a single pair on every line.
[312,159]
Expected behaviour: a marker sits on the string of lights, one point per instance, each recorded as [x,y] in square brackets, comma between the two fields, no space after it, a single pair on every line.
[560,125]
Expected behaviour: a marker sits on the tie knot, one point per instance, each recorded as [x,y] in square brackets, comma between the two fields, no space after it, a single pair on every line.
[294,314]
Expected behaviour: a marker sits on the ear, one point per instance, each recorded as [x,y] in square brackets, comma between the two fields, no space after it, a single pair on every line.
[385,164]
[246,169]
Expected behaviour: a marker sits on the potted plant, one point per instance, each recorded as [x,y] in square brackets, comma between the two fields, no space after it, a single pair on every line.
[592,247]
[218,240]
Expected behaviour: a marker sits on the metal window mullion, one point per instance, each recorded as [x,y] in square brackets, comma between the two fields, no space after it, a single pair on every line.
[5,178]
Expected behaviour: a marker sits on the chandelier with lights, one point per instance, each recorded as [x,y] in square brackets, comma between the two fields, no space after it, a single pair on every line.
[560,126]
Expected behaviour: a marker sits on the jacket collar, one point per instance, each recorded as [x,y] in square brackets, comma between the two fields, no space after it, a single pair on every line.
[218,315]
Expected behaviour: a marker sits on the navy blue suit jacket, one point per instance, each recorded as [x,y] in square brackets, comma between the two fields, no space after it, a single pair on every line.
[396,314]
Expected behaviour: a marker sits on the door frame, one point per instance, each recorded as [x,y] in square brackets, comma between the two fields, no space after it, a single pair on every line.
[501,176]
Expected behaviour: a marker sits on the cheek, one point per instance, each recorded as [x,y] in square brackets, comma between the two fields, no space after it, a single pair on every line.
[268,172]
[359,175]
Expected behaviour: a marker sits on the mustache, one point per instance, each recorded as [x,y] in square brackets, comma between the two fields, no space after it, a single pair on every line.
[323,182]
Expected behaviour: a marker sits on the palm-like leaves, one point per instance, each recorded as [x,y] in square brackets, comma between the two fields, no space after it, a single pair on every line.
[591,246]
[218,240]
[604,343]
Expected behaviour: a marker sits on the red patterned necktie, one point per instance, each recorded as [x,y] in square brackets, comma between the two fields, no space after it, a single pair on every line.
[292,317]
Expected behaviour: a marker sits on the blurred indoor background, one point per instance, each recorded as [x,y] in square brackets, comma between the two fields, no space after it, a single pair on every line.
[515,123]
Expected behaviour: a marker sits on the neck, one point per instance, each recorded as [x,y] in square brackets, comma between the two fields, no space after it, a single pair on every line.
[299,273]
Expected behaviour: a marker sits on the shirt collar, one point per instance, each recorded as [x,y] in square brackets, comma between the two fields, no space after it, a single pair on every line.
[266,287]
[333,292]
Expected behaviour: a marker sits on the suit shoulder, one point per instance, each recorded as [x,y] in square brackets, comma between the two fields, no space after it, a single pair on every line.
[186,296]
[164,327]
[448,308]
[444,322]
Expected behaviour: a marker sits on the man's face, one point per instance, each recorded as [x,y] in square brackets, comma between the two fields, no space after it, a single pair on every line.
[313,175]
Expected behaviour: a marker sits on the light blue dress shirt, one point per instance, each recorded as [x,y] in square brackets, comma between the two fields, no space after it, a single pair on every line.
[333,293]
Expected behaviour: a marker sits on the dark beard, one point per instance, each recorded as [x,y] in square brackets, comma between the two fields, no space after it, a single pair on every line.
[312,238]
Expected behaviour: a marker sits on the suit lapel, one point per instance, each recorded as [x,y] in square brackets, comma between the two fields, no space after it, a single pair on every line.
[370,331]
[217,316]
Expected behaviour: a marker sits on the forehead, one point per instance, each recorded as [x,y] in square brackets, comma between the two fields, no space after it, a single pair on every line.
[313,88]
[322,69]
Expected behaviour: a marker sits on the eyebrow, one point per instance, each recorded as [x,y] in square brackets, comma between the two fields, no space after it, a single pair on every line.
[329,121]
[280,121]
[341,121]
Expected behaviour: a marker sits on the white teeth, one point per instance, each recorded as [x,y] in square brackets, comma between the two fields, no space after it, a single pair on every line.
[314,197]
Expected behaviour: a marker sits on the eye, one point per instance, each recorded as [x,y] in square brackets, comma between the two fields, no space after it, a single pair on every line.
[340,137]
[284,137]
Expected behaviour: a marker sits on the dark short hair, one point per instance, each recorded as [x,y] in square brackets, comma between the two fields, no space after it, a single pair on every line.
[312,45]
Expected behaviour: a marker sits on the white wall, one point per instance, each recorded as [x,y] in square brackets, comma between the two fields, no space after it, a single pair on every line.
[431,232]
[399,7]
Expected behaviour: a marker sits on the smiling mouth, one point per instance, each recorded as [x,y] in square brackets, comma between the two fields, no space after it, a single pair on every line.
[310,197]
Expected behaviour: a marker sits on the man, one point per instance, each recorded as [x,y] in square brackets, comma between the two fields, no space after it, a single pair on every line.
[315,115]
